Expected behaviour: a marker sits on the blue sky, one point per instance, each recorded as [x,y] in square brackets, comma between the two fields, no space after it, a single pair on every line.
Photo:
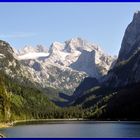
[43,23]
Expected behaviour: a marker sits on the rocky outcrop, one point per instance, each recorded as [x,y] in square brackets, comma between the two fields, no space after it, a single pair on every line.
[127,68]
[131,40]
[86,63]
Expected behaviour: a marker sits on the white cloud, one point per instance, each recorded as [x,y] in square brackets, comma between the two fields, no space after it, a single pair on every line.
[17,35]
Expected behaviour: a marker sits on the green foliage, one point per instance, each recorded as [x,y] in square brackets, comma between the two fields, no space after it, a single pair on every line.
[21,102]
[25,101]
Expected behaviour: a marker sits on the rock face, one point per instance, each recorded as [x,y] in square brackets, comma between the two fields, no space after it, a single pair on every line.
[131,39]
[8,63]
[13,68]
[117,95]
[66,64]
[127,69]
[125,73]
[89,65]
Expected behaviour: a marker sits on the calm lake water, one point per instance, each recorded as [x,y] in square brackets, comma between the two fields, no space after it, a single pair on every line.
[77,129]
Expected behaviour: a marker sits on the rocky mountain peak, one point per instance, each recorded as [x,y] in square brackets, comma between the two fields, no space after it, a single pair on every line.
[5,48]
[31,49]
[73,44]
[136,15]
[79,44]
[26,49]
[126,71]
[40,48]
[131,40]
[77,54]
[8,63]
[55,47]
[6,53]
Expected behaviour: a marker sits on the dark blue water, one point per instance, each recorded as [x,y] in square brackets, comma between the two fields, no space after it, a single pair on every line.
[86,129]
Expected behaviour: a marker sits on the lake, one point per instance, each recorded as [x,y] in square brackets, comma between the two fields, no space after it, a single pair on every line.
[77,129]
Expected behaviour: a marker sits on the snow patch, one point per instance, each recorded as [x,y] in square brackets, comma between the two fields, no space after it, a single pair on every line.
[32,55]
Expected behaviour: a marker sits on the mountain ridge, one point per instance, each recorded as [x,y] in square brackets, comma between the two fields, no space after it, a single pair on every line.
[63,58]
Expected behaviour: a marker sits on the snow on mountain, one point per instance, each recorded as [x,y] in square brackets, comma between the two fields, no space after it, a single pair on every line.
[32,55]
[29,52]
[69,53]
[66,64]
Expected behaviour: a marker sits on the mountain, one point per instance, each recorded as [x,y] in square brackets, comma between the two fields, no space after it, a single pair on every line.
[117,96]
[22,99]
[66,64]
[7,60]
[75,73]
[19,97]
[9,64]
[13,68]
[38,67]
[125,73]
[130,44]
[127,68]
[72,51]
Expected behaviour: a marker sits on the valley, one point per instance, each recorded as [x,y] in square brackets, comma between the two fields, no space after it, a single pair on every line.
[74,79]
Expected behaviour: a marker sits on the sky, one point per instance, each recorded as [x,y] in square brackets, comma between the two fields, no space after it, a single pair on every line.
[43,23]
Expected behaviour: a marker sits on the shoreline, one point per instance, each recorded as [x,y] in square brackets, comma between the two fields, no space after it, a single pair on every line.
[10,124]
[18,122]
[5,125]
